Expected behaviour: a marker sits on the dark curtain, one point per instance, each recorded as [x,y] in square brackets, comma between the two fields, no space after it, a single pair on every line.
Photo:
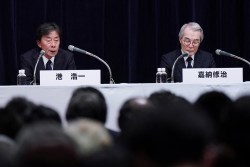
[130,35]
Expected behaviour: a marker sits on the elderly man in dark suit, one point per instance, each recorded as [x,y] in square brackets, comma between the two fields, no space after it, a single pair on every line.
[48,39]
[190,37]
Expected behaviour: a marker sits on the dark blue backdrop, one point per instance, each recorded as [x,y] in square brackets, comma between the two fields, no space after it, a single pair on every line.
[130,35]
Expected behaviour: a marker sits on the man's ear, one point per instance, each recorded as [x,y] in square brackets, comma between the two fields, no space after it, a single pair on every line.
[38,43]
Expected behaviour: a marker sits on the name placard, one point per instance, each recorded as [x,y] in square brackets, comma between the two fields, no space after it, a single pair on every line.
[212,75]
[69,77]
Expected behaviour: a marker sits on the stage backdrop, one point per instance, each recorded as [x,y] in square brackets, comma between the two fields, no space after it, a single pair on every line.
[130,35]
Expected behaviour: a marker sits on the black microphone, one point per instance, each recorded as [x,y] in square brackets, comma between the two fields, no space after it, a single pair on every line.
[42,52]
[75,49]
[173,67]
[220,52]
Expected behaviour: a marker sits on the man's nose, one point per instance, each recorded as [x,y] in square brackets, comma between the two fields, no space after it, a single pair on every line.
[53,44]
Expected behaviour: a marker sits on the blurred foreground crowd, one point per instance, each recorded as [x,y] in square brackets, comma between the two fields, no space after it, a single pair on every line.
[162,130]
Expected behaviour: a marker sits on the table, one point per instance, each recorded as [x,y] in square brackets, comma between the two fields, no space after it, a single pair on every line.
[57,97]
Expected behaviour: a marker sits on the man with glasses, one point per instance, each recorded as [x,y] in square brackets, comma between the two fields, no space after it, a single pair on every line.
[190,37]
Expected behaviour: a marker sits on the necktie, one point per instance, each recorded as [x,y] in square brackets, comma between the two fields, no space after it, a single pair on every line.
[189,60]
[48,65]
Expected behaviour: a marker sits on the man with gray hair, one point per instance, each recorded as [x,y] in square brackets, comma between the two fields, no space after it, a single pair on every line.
[190,37]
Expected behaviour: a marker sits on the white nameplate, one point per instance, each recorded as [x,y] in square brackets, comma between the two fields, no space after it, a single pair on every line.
[212,75]
[69,77]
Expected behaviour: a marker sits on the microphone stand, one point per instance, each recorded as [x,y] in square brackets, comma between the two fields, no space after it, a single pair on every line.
[239,58]
[42,52]
[111,80]
[73,48]
[173,67]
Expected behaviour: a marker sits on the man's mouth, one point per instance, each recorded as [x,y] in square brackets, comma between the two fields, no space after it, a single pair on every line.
[51,51]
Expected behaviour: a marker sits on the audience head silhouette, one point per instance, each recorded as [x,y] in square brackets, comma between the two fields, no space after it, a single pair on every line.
[14,116]
[131,108]
[176,137]
[45,144]
[87,102]
[215,106]
[89,135]
[237,128]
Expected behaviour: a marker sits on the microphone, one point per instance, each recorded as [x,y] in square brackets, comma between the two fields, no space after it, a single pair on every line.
[173,67]
[75,49]
[42,52]
[220,52]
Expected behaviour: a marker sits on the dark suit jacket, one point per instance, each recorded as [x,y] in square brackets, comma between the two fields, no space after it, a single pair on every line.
[64,60]
[202,59]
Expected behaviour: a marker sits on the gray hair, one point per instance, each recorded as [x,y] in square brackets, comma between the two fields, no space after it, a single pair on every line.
[89,135]
[193,26]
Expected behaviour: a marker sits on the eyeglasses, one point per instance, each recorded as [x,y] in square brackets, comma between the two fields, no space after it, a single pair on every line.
[195,42]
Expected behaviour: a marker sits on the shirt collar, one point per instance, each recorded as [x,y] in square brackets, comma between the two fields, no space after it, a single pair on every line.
[185,58]
[45,60]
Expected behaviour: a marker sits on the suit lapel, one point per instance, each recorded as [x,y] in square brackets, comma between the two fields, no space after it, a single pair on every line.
[181,63]
[40,66]
[178,67]
[57,61]
[197,60]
